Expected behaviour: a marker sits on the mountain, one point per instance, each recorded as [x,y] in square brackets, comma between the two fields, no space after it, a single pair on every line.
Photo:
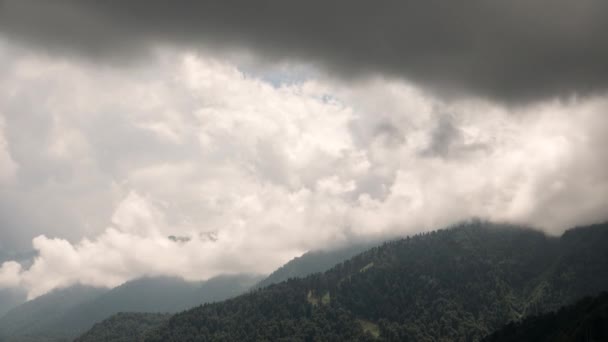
[587,320]
[458,284]
[65,314]
[124,327]
[117,329]
[36,320]
[11,298]
[314,262]
[155,295]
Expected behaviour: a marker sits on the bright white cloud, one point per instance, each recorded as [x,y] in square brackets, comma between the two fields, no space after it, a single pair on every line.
[10,274]
[251,174]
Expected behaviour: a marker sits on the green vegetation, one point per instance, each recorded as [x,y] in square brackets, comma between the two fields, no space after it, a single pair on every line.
[459,284]
[65,314]
[326,299]
[367,267]
[370,328]
[314,262]
[124,327]
[587,320]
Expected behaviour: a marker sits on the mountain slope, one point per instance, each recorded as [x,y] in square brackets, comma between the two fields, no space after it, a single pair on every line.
[314,262]
[587,320]
[37,319]
[155,295]
[308,263]
[458,284]
[65,314]
[11,298]
[124,327]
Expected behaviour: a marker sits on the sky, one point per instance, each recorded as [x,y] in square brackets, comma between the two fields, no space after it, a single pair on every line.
[198,138]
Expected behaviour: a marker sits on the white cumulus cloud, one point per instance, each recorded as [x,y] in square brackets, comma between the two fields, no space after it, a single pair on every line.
[109,163]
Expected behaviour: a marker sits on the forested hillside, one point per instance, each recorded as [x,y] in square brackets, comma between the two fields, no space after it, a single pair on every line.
[309,263]
[587,320]
[65,314]
[154,295]
[459,284]
[124,327]
[314,262]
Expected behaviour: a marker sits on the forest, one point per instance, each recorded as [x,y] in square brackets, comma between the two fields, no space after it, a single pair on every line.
[457,284]
[586,320]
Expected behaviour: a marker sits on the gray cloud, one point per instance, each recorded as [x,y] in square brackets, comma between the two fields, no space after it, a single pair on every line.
[448,141]
[99,166]
[516,50]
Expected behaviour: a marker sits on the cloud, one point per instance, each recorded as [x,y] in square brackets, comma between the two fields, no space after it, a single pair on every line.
[250,173]
[507,50]
[8,167]
[10,274]
[448,141]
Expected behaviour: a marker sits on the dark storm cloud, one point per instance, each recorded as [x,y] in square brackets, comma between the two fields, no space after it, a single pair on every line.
[516,50]
[448,141]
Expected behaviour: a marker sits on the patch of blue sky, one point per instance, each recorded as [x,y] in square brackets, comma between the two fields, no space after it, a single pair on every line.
[285,75]
[281,75]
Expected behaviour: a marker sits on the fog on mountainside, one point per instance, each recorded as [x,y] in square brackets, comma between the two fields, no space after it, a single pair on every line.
[303,171]
[67,313]
[459,284]
[38,319]
[313,262]
[11,298]
[127,327]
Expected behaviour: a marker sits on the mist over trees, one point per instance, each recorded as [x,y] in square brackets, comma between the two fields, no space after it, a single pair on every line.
[64,314]
[459,284]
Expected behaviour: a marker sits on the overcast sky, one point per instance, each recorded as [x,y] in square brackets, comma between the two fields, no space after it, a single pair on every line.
[253,133]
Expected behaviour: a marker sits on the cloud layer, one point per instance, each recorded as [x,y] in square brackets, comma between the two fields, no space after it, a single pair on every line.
[100,165]
[518,50]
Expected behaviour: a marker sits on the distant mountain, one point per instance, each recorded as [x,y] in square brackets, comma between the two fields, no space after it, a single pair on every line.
[11,298]
[36,320]
[587,320]
[124,327]
[155,295]
[65,314]
[314,262]
[308,263]
[458,284]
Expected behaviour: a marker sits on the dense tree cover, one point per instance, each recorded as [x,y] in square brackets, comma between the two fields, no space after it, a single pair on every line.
[587,320]
[65,314]
[458,284]
[124,327]
[314,262]
[155,295]
[309,263]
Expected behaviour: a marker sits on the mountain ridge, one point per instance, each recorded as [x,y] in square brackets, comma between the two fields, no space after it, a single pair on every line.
[457,284]
[62,315]
[315,261]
